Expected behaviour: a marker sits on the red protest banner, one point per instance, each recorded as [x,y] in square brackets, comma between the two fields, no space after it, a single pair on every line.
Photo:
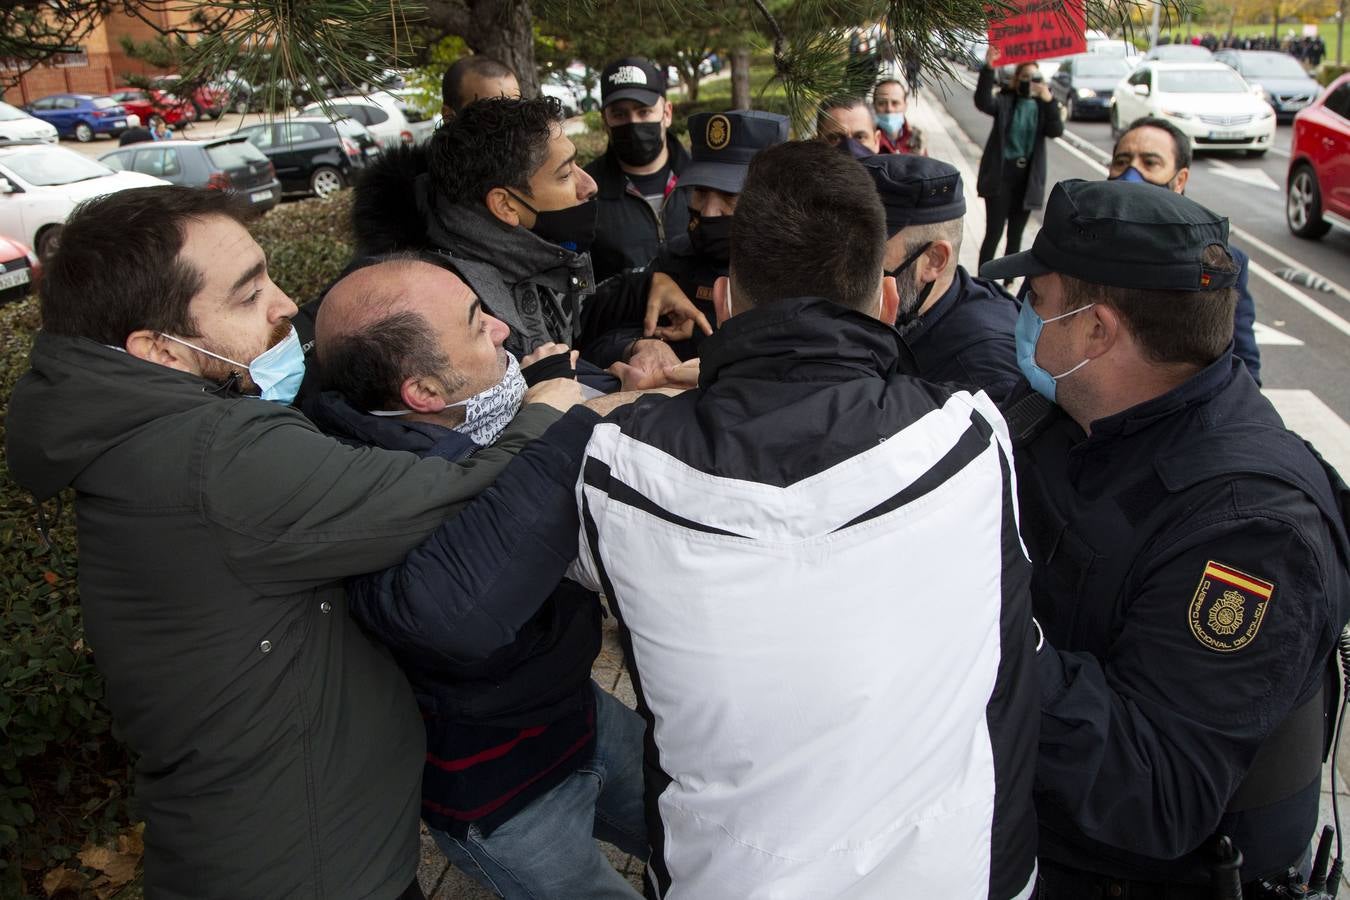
[1039,29]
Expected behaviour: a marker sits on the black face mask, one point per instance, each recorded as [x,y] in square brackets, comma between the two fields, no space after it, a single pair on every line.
[637,143]
[909,309]
[572,228]
[711,237]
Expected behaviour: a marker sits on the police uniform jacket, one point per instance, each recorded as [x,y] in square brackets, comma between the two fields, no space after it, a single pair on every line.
[1190,577]
[628,234]
[966,338]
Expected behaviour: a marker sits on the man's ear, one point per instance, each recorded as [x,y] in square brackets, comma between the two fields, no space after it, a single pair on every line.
[505,207]
[1107,330]
[446,113]
[667,112]
[149,346]
[935,261]
[422,395]
[890,300]
[1179,182]
[721,292]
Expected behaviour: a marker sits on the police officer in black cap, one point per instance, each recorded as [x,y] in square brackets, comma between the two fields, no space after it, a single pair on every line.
[723,145]
[1190,558]
[959,328]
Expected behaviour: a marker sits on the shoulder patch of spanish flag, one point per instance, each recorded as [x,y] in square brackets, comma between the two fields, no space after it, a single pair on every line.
[1228,608]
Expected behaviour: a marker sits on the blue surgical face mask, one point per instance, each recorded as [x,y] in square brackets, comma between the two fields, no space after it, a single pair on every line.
[891,123]
[1027,333]
[1130,174]
[277,371]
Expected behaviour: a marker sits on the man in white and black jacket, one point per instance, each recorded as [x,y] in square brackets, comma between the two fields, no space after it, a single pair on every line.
[815,560]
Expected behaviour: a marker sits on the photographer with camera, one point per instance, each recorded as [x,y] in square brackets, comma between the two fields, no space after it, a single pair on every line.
[1012,169]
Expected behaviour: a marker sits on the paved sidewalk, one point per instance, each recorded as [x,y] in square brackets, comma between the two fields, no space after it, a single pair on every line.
[442,881]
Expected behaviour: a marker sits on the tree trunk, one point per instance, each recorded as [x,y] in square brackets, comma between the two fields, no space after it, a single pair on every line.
[740,78]
[501,29]
[691,80]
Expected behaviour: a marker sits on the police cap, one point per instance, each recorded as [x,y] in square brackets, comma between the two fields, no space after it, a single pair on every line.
[916,190]
[724,143]
[632,78]
[1122,234]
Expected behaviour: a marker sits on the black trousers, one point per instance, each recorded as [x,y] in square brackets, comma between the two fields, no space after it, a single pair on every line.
[1006,209]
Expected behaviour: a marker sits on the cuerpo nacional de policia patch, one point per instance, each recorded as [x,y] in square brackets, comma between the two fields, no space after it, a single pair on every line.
[1228,608]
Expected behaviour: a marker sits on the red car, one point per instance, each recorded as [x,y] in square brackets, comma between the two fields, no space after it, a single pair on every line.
[209,102]
[1318,190]
[154,103]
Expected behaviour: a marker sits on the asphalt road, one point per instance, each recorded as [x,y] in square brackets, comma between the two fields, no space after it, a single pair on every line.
[1304,333]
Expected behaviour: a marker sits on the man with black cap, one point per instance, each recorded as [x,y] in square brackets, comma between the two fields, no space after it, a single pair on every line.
[723,145]
[959,328]
[638,171]
[1190,558]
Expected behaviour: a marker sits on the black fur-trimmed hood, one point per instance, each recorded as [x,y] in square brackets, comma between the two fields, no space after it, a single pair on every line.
[386,214]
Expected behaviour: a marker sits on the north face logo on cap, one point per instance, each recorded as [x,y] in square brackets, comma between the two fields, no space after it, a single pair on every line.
[628,75]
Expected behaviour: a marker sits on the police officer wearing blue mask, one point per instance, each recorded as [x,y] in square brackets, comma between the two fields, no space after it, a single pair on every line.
[1190,559]
[959,328]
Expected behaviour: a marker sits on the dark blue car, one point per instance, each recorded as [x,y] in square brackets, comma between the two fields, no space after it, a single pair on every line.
[81,116]
[1083,84]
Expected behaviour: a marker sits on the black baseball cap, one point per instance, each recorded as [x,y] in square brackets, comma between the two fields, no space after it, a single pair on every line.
[724,143]
[916,190]
[1122,234]
[632,78]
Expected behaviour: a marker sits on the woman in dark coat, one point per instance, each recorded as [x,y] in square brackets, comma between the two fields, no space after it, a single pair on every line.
[1012,170]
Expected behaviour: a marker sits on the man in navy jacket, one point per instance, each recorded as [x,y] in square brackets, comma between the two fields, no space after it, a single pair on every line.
[525,755]
[960,328]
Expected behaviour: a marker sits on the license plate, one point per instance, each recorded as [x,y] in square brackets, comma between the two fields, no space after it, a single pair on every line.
[1226,135]
[259,196]
[118,123]
[372,151]
[15,278]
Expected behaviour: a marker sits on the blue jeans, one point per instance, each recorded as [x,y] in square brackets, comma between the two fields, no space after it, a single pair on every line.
[547,850]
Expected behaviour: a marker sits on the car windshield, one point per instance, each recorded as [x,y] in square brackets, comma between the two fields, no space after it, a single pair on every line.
[1101,68]
[104,103]
[1201,81]
[1275,66]
[52,166]
[1181,51]
[10,114]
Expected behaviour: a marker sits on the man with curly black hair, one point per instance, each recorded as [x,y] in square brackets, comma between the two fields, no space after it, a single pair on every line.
[499,190]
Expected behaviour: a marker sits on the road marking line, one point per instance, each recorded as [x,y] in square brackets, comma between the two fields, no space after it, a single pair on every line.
[1254,177]
[1303,412]
[1269,337]
[1300,298]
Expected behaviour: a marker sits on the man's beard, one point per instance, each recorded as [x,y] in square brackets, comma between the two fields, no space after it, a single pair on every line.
[910,300]
[223,373]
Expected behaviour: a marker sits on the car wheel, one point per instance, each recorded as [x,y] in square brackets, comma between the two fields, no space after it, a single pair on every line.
[83,133]
[240,106]
[1303,204]
[1115,124]
[47,241]
[325,182]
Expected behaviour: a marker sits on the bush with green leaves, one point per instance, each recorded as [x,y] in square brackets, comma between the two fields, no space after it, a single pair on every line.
[64,779]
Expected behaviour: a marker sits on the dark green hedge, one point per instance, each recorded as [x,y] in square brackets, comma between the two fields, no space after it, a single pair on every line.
[64,780]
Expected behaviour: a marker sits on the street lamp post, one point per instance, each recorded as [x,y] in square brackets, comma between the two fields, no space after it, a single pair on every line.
[1340,31]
